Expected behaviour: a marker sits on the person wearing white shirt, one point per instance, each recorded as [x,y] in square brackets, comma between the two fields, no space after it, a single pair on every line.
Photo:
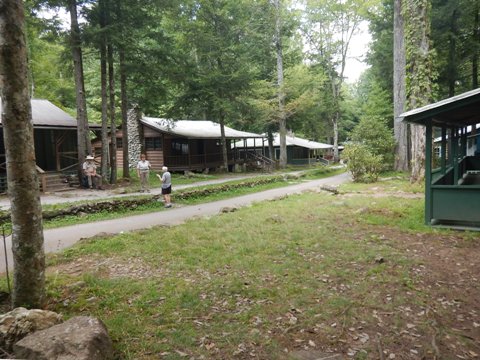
[143,171]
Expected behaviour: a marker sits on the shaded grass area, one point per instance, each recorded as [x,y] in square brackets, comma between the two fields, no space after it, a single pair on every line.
[314,271]
[345,274]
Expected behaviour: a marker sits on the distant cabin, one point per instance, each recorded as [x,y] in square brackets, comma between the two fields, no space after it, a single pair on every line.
[181,145]
[55,136]
[299,151]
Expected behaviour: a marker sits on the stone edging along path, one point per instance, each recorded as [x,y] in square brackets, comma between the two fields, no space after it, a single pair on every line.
[64,237]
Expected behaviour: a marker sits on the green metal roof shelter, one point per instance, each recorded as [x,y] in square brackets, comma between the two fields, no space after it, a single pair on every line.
[452,179]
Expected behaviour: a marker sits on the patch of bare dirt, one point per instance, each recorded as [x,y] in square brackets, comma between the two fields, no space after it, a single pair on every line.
[435,314]
[110,267]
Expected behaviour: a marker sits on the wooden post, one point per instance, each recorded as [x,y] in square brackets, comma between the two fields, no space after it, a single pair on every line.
[455,156]
[444,150]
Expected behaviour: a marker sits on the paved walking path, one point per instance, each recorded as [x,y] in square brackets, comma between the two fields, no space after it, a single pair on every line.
[97,195]
[61,238]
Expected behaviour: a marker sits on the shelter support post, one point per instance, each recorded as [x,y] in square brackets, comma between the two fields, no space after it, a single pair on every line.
[455,156]
[464,141]
[444,150]
[428,173]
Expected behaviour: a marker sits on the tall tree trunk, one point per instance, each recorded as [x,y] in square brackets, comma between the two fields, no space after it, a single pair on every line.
[452,55]
[336,113]
[84,145]
[402,159]
[123,94]
[336,155]
[419,75]
[271,150]
[26,211]
[103,81]
[223,141]
[282,117]
[476,44]
[113,126]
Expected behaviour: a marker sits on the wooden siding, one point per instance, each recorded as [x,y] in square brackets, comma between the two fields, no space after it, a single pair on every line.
[156,159]
[149,132]
[203,153]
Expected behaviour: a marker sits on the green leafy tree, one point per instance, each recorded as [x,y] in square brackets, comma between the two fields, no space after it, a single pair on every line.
[329,28]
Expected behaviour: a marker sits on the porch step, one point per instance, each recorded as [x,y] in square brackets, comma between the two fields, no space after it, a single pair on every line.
[56,182]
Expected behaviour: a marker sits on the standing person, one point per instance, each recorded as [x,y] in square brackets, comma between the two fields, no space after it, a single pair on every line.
[143,171]
[90,172]
[166,180]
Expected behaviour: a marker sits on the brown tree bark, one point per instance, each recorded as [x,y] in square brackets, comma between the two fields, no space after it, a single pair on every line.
[84,145]
[476,42]
[113,126]
[402,158]
[104,97]
[23,187]
[282,117]
[223,141]
[419,73]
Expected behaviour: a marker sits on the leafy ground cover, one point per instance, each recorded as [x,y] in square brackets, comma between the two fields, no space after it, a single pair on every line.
[356,273]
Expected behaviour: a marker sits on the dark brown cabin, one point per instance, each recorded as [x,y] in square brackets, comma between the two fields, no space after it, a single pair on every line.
[55,136]
[183,145]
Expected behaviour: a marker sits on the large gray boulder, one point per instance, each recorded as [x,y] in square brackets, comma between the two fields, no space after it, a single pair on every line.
[80,338]
[20,322]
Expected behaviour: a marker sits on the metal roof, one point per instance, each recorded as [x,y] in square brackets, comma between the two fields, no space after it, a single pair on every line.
[291,140]
[195,129]
[460,110]
[44,113]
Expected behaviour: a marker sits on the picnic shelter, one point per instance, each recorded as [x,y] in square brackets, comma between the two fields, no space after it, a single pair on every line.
[452,174]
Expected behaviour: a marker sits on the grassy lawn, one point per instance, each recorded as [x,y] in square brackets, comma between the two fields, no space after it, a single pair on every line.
[356,273]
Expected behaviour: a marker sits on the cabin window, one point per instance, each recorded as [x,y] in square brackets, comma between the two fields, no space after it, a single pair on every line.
[179,147]
[119,143]
[299,153]
[153,143]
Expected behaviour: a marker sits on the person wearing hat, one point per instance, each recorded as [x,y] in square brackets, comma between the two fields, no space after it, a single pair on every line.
[90,172]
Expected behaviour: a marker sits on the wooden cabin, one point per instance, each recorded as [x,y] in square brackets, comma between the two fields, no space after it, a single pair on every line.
[299,151]
[55,136]
[452,176]
[182,145]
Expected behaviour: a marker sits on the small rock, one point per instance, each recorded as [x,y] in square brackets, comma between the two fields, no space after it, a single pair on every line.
[20,322]
[79,338]
[379,259]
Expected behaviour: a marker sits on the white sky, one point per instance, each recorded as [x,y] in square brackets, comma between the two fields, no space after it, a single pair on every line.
[357,53]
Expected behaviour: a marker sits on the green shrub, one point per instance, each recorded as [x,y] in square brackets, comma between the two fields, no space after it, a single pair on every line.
[362,164]
[374,133]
